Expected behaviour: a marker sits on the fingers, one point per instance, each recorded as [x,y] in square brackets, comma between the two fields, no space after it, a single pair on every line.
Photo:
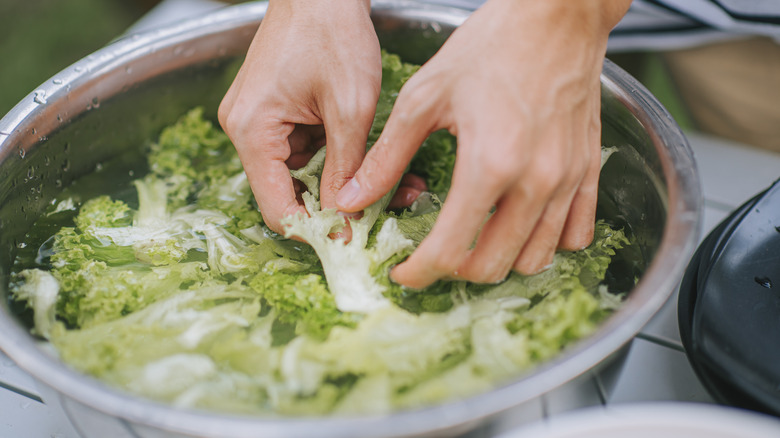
[269,177]
[524,231]
[410,122]
[347,128]
[578,232]
[304,142]
[500,241]
[532,212]
[403,197]
[409,190]
[565,171]
[447,245]
[538,252]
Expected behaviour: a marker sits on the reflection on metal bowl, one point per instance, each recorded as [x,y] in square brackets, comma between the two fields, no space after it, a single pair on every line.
[122,95]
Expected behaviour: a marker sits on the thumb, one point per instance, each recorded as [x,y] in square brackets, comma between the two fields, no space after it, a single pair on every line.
[385,163]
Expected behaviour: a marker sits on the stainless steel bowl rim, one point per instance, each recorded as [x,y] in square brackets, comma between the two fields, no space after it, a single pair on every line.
[660,279]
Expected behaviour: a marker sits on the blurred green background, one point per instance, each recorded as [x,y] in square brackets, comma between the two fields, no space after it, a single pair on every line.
[38,38]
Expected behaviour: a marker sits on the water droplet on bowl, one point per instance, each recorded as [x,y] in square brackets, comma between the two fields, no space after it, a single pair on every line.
[21,153]
[56,81]
[764,282]
[40,97]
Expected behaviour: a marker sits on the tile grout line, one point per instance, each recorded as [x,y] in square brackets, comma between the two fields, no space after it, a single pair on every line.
[719,205]
[21,392]
[600,390]
[661,341]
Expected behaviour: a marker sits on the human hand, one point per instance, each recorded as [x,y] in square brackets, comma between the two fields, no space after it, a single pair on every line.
[311,76]
[518,84]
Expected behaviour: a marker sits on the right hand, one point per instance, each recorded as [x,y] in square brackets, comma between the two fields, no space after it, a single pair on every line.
[312,76]
[518,83]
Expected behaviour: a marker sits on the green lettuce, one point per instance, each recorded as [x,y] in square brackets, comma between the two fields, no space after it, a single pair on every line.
[183,295]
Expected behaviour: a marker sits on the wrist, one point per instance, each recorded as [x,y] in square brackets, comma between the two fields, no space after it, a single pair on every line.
[321,6]
[595,17]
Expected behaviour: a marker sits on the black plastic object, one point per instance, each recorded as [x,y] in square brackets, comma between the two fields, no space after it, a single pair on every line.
[729,306]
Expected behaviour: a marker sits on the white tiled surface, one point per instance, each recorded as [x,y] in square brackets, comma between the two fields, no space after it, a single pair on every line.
[654,369]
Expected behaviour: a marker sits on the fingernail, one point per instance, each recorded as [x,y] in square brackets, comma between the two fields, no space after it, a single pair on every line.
[542,269]
[350,215]
[394,274]
[348,194]
[394,280]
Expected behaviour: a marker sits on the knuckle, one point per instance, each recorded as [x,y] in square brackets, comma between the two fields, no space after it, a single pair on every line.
[222,114]
[441,260]
[335,180]
[498,172]
[547,177]
[413,100]
[233,123]
[353,105]
[409,98]
[445,263]
[365,105]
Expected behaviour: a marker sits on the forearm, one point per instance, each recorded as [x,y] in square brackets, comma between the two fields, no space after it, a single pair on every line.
[599,15]
[320,6]
[591,19]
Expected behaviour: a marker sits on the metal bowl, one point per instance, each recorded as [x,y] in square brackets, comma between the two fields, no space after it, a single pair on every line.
[122,95]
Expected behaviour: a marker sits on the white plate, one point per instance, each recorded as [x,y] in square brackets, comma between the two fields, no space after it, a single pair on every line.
[654,420]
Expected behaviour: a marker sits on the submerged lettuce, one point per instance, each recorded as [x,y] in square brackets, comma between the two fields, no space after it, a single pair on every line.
[188,298]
